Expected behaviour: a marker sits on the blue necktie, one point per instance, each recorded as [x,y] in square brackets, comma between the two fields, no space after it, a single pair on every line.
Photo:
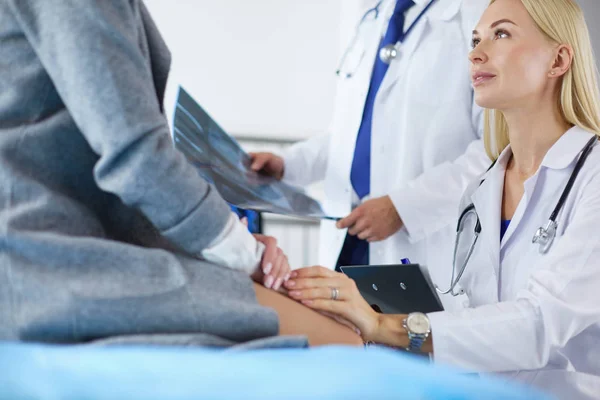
[360,174]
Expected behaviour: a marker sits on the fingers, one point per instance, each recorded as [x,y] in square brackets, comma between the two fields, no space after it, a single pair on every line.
[357,223]
[366,234]
[314,272]
[270,253]
[275,265]
[268,164]
[309,283]
[259,160]
[325,288]
[269,259]
[374,238]
[349,220]
[359,227]
[315,288]
[373,221]
[321,288]
[318,293]
[280,270]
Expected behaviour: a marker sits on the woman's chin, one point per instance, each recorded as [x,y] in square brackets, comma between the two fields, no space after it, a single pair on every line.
[487,100]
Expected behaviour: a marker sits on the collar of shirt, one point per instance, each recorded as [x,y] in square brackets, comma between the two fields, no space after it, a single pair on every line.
[566,149]
[387,9]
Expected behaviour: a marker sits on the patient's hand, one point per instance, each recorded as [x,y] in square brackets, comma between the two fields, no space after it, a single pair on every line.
[274,268]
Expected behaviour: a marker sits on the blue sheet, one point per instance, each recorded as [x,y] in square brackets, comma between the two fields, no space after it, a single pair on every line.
[98,373]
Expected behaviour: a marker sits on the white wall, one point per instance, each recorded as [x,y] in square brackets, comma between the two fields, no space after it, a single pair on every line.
[591,10]
[260,67]
[266,67]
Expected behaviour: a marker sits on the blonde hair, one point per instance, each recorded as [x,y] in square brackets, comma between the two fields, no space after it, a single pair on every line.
[562,22]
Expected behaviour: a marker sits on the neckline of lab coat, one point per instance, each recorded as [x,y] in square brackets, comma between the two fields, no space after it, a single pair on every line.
[443,10]
[487,198]
[559,156]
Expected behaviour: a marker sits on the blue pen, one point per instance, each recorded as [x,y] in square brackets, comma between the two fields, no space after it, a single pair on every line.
[405,261]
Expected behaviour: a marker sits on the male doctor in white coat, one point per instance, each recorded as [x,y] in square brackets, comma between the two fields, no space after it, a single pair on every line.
[396,118]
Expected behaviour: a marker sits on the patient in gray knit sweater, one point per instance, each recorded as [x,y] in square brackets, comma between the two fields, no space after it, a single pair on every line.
[106,232]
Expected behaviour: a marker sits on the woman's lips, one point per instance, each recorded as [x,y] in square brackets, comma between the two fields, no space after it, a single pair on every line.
[481,78]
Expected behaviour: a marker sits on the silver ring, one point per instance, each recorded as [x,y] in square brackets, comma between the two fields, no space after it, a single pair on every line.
[335,293]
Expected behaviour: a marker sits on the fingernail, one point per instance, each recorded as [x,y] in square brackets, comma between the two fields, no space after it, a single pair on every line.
[269,282]
[294,274]
[268,269]
[295,293]
[306,302]
[278,283]
[290,283]
[287,277]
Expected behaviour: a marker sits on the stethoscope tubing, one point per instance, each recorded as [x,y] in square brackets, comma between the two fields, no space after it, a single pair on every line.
[375,10]
[552,220]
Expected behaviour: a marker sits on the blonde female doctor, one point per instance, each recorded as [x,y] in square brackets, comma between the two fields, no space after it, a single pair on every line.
[531,296]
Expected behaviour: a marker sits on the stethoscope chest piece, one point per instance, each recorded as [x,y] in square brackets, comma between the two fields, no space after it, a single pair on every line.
[545,236]
[388,53]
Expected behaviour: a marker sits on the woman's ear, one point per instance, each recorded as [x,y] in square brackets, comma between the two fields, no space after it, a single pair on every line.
[562,61]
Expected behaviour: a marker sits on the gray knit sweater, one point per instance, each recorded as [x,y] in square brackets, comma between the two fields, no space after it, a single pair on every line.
[101,219]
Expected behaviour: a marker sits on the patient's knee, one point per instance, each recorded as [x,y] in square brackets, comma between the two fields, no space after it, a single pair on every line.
[350,337]
[296,319]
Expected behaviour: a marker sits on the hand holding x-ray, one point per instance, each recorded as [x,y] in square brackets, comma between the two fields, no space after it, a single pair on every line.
[268,164]
[221,161]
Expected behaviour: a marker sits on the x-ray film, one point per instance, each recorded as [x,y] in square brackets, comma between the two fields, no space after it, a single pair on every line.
[221,161]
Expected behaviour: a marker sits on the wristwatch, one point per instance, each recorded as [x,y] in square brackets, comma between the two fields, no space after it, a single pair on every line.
[418,327]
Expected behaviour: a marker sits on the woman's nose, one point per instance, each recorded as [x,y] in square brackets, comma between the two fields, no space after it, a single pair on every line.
[478,56]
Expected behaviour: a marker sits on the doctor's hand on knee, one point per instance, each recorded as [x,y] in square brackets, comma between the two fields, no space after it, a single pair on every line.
[336,295]
[268,164]
[373,221]
[274,268]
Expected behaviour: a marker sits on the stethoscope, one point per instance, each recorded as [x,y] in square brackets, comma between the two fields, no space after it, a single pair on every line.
[387,54]
[544,236]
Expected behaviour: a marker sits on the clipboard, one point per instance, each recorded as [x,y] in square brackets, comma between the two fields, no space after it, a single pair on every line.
[395,289]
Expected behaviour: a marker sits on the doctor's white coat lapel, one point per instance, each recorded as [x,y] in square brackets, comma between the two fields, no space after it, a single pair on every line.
[413,128]
[485,262]
[545,329]
[351,96]
[440,10]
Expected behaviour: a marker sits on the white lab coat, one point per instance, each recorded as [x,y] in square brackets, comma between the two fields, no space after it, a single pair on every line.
[424,116]
[530,316]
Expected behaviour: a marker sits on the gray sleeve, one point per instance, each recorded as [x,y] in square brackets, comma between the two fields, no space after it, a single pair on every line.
[91,50]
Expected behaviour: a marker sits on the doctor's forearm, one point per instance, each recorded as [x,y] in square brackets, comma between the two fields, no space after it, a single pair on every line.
[390,331]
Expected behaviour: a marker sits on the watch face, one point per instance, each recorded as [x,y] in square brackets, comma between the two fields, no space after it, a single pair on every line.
[418,323]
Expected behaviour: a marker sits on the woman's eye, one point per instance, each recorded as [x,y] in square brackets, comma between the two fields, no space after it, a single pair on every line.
[475,42]
[500,34]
